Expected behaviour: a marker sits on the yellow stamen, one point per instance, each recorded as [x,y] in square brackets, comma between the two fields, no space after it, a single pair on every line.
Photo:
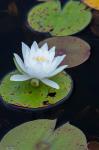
[40,59]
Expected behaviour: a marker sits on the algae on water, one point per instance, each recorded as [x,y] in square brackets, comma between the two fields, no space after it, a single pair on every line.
[49,17]
[25,95]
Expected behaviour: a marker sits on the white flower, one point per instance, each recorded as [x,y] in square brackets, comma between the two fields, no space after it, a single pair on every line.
[39,63]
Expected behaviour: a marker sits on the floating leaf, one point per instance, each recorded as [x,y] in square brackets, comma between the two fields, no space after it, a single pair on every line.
[76,49]
[92,3]
[93,145]
[40,135]
[49,17]
[23,94]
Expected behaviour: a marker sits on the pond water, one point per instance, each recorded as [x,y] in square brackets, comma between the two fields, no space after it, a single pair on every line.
[82,109]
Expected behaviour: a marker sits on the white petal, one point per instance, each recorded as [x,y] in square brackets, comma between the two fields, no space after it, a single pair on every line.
[50,83]
[35,71]
[25,51]
[58,70]
[52,49]
[44,47]
[34,46]
[34,49]
[52,53]
[58,60]
[17,66]
[20,62]
[19,77]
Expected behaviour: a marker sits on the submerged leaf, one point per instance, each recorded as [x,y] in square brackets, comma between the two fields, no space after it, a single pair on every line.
[12,9]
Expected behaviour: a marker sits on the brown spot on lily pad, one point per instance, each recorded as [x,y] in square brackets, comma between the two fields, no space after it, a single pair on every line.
[40,135]
[77,50]
[30,92]
[43,146]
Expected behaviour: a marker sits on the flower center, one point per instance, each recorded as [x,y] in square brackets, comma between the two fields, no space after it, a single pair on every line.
[40,59]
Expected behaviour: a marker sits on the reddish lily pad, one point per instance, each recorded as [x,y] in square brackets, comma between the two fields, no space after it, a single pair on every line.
[92,3]
[40,135]
[93,145]
[76,49]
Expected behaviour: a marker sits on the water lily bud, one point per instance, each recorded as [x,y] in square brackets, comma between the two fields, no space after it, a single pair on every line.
[35,82]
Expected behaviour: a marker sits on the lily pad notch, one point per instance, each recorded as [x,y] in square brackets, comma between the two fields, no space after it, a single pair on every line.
[66,136]
[49,17]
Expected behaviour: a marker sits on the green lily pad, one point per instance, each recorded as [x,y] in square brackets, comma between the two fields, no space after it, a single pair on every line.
[49,17]
[23,94]
[40,135]
[77,50]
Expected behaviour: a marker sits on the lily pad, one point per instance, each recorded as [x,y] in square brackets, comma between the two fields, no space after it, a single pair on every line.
[93,145]
[92,3]
[49,17]
[76,49]
[40,135]
[24,95]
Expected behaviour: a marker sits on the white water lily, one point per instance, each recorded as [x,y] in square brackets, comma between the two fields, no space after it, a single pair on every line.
[39,63]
